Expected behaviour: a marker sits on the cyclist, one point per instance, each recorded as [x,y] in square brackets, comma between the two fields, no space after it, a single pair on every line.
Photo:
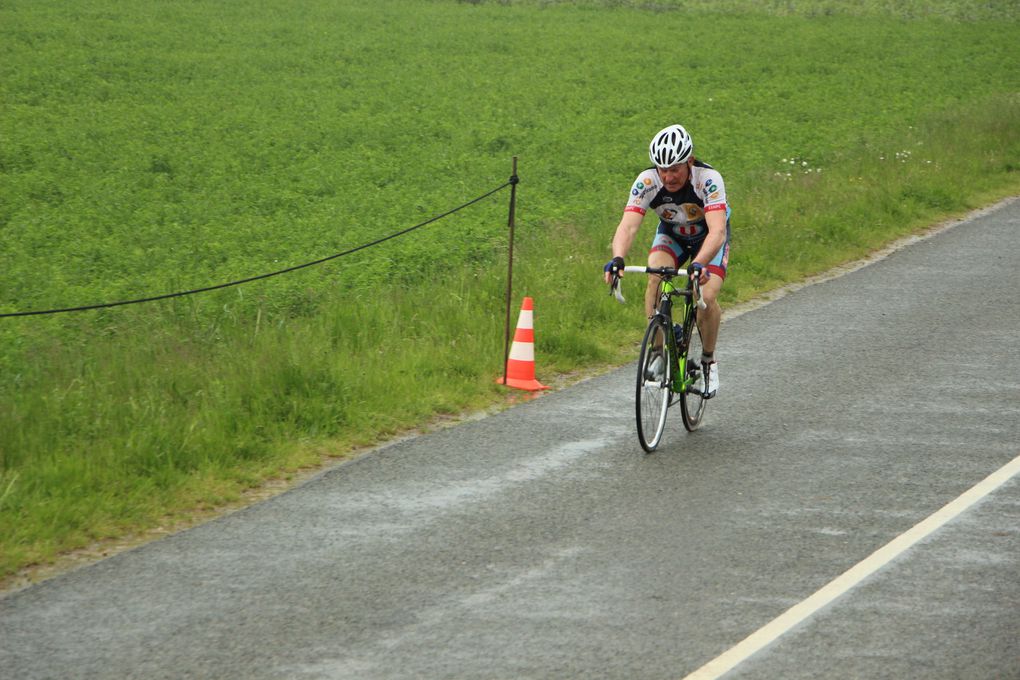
[689,198]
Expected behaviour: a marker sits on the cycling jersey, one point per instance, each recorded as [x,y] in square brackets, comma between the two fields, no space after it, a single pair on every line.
[683,211]
[682,226]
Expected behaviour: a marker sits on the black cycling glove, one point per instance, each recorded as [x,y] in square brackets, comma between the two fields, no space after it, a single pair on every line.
[614,266]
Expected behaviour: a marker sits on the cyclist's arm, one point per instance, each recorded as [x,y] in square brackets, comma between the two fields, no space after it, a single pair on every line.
[625,233]
[624,237]
[716,222]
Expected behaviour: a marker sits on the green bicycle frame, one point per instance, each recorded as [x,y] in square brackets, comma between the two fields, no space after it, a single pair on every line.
[681,381]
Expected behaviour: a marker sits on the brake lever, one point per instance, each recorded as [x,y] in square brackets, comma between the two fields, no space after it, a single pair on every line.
[615,290]
[699,299]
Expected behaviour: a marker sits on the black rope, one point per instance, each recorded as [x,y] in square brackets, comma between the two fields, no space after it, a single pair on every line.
[264,276]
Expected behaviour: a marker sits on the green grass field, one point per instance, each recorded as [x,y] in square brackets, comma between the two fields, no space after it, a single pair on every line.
[153,147]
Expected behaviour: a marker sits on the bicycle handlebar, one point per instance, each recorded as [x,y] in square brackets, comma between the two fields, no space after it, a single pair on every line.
[668,272]
[661,271]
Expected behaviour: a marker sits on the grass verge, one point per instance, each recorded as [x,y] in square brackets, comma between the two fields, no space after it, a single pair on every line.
[116,150]
[146,427]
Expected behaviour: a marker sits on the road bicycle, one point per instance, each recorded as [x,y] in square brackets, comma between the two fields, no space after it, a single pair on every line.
[669,365]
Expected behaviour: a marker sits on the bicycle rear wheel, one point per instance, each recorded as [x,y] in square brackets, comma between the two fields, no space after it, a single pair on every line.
[692,403]
[654,377]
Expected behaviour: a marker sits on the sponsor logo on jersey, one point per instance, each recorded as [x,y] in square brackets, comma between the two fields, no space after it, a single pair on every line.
[634,192]
[715,206]
[714,194]
[686,229]
[694,212]
[634,208]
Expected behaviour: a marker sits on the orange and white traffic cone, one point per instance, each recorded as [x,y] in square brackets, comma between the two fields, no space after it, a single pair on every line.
[520,367]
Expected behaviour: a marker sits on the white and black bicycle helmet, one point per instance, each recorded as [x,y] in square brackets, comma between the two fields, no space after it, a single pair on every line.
[670,146]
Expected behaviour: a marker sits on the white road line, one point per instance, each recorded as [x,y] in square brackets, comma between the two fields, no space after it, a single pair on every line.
[799,612]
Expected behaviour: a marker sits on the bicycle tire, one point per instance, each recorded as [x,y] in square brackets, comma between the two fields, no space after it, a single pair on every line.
[692,401]
[653,387]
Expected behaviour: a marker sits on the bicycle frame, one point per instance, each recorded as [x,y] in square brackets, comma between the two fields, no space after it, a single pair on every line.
[655,395]
[667,291]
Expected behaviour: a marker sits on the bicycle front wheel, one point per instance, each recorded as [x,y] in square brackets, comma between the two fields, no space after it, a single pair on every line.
[654,377]
[692,403]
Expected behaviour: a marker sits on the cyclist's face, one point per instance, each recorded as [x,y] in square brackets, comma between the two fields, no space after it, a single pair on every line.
[675,176]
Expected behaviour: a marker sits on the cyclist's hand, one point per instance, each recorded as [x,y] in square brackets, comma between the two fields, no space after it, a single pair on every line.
[613,270]
[699,270]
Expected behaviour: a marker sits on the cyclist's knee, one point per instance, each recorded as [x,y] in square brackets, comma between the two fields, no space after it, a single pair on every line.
[710,291]
[659,258]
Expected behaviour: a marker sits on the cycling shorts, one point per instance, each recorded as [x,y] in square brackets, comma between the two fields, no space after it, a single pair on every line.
[683,249]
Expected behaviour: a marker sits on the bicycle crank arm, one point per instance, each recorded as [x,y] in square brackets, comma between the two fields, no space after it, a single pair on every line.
[691,389]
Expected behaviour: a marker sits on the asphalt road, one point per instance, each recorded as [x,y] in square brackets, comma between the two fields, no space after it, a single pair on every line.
[542,543]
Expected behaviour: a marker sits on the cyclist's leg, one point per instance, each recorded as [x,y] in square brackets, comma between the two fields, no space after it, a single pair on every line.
[665,252]
[709,318]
